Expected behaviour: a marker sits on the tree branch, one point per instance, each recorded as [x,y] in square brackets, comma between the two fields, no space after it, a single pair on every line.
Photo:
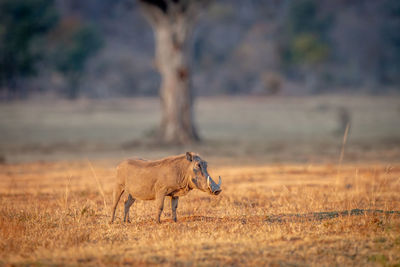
[162,11]
[155,14]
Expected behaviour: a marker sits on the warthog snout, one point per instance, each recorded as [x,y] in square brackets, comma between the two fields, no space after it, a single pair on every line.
[216,192]
[213,187]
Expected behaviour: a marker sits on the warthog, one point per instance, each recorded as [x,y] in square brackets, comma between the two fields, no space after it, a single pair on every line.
[173,176]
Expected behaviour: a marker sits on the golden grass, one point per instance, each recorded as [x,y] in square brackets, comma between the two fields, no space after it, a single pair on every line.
[53,213]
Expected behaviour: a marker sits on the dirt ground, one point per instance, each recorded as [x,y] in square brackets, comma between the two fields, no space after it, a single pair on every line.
[288,198]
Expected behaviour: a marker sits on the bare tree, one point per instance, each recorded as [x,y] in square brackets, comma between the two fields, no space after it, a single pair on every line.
[172,22]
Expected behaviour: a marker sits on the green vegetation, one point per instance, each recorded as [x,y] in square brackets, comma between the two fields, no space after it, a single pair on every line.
[32,32]
[73,43]
[305,39]
[238,47]
[23,25]
[307,48]
[378,258]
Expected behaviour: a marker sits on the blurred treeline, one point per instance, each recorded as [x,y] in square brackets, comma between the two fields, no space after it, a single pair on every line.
[105,48]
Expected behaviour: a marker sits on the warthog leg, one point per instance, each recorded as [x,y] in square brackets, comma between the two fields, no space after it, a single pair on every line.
[160,204]
[128,204]
[118,191]
[174,206]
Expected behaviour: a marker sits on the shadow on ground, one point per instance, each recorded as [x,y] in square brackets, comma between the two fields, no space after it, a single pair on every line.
[280,218]
[319,216]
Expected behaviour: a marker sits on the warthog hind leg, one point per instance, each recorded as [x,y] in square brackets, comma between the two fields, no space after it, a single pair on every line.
[118,191]
[160,206]
[174,206]
[128,204]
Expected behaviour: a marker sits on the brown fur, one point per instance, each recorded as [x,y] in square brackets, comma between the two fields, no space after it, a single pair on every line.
[173,176]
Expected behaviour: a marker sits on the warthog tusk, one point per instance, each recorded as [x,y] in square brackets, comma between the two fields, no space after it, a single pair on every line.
[208,182]
[219,182]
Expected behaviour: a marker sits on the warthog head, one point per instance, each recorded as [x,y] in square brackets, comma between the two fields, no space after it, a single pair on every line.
[200,177]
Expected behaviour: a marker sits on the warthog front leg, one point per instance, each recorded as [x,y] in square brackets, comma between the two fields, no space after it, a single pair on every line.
[160,206]
[128,204]
[174,206]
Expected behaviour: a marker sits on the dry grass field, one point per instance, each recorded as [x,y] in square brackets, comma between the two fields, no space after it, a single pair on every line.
[286,199]
[54,213]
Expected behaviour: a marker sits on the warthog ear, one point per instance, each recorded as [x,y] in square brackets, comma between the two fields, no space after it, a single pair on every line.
[189,156]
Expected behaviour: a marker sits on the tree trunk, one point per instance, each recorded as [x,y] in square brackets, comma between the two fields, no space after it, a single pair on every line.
[177,126]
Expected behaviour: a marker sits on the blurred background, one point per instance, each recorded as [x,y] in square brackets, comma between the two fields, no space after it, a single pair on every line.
[277,79]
